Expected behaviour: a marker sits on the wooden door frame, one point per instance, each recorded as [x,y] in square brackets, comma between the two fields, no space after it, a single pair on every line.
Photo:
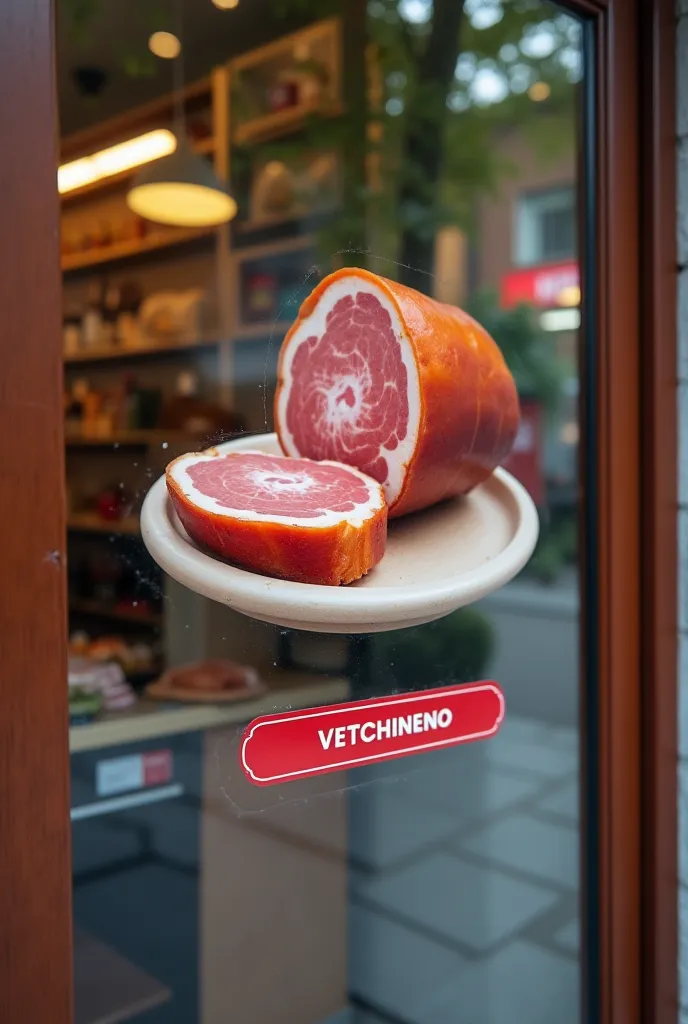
[35,862]
[629,686]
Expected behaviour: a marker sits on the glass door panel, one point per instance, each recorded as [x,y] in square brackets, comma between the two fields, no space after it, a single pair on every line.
[436,144]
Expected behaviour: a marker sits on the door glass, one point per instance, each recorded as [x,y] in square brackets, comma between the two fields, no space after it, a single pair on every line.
[435,144]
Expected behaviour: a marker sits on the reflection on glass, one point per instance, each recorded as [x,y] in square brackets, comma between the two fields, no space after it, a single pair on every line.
[434,143]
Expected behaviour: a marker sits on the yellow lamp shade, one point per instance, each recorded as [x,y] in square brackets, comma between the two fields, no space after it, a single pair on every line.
[181,189]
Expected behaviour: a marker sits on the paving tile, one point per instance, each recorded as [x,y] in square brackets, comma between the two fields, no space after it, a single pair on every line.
[549,761]
[473,906]
[569,936]
[517,729]
[562,802]
[563,737]
[472,795]
[392,967]
[521,984]
[548,852]
[343,1017]
[385,829]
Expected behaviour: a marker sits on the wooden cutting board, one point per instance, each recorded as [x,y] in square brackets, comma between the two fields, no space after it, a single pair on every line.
[164,689]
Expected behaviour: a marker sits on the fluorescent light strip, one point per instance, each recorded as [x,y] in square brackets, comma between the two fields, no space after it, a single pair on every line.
[560,320]
[122,157]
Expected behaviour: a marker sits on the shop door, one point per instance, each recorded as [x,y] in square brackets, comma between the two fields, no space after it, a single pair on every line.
[465,150]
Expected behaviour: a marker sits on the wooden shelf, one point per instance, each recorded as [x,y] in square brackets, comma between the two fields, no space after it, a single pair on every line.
[204,147]
[107,987]
[280,122]
[91,522]
[96,608]
[96,355]
[131,439]
[268,329]
[132,248]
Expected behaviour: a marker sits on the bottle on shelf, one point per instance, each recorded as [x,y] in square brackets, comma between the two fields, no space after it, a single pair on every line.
[128,323]
[110,314]
[92,322]
[71,330]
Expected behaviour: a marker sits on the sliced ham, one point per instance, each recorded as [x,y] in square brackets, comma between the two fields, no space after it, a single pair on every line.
[411,391]
[313,522]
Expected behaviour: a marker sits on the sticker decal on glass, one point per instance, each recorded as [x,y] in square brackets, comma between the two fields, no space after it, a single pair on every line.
[299,744]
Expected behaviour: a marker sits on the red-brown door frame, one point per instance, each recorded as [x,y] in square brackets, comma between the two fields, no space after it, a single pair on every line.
[35,865]
[631,494]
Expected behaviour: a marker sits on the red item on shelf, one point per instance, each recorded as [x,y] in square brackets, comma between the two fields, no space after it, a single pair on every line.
[110,505]
[283,95]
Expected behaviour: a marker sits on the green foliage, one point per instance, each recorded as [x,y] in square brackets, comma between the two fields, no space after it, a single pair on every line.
[470,128]
[556,549]
[529,352]
[454,649]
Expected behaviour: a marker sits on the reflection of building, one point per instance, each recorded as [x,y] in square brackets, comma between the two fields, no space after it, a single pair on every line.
[525,252]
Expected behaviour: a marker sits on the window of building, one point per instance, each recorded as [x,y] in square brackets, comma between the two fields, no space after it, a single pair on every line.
[545,227]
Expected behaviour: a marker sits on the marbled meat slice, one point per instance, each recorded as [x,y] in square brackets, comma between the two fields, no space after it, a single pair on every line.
[413,392]
[313,522]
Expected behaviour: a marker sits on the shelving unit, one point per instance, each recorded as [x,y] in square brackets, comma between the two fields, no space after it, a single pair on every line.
[90,522]
[317,45]
[132,248]
[104,611]
[149,350]
[231,356]
[280,122]
[204,147]
[131,439]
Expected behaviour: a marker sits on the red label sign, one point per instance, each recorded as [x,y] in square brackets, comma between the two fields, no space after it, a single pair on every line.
[157,767]
[538,286]
[298,744]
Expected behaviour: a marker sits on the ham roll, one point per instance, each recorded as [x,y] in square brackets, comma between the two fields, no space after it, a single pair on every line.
[411,391]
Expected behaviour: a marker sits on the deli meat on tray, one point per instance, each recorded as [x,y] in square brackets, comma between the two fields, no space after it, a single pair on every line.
[313,522]
[215,679]
[411,391]
[388,402]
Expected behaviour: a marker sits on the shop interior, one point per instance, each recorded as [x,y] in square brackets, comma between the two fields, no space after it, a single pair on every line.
[192,894]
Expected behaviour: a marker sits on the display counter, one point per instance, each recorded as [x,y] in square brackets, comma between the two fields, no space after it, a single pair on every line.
[149,719]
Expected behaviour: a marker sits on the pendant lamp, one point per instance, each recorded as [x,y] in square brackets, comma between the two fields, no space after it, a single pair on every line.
[181,189]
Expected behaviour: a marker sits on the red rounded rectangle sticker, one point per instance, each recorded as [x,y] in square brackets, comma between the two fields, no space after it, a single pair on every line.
[297,744]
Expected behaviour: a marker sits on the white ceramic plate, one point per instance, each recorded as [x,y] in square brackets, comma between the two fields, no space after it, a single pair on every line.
[436,561]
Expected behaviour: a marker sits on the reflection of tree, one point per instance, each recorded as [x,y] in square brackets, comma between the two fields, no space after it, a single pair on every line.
[452,78]
[456,77]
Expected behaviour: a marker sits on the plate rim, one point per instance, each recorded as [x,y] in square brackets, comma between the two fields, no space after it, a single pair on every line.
[291,601]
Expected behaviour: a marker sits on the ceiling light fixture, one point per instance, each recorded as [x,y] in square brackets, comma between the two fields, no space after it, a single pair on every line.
[164,45]
[226,5]
[123,157]
[182,189]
